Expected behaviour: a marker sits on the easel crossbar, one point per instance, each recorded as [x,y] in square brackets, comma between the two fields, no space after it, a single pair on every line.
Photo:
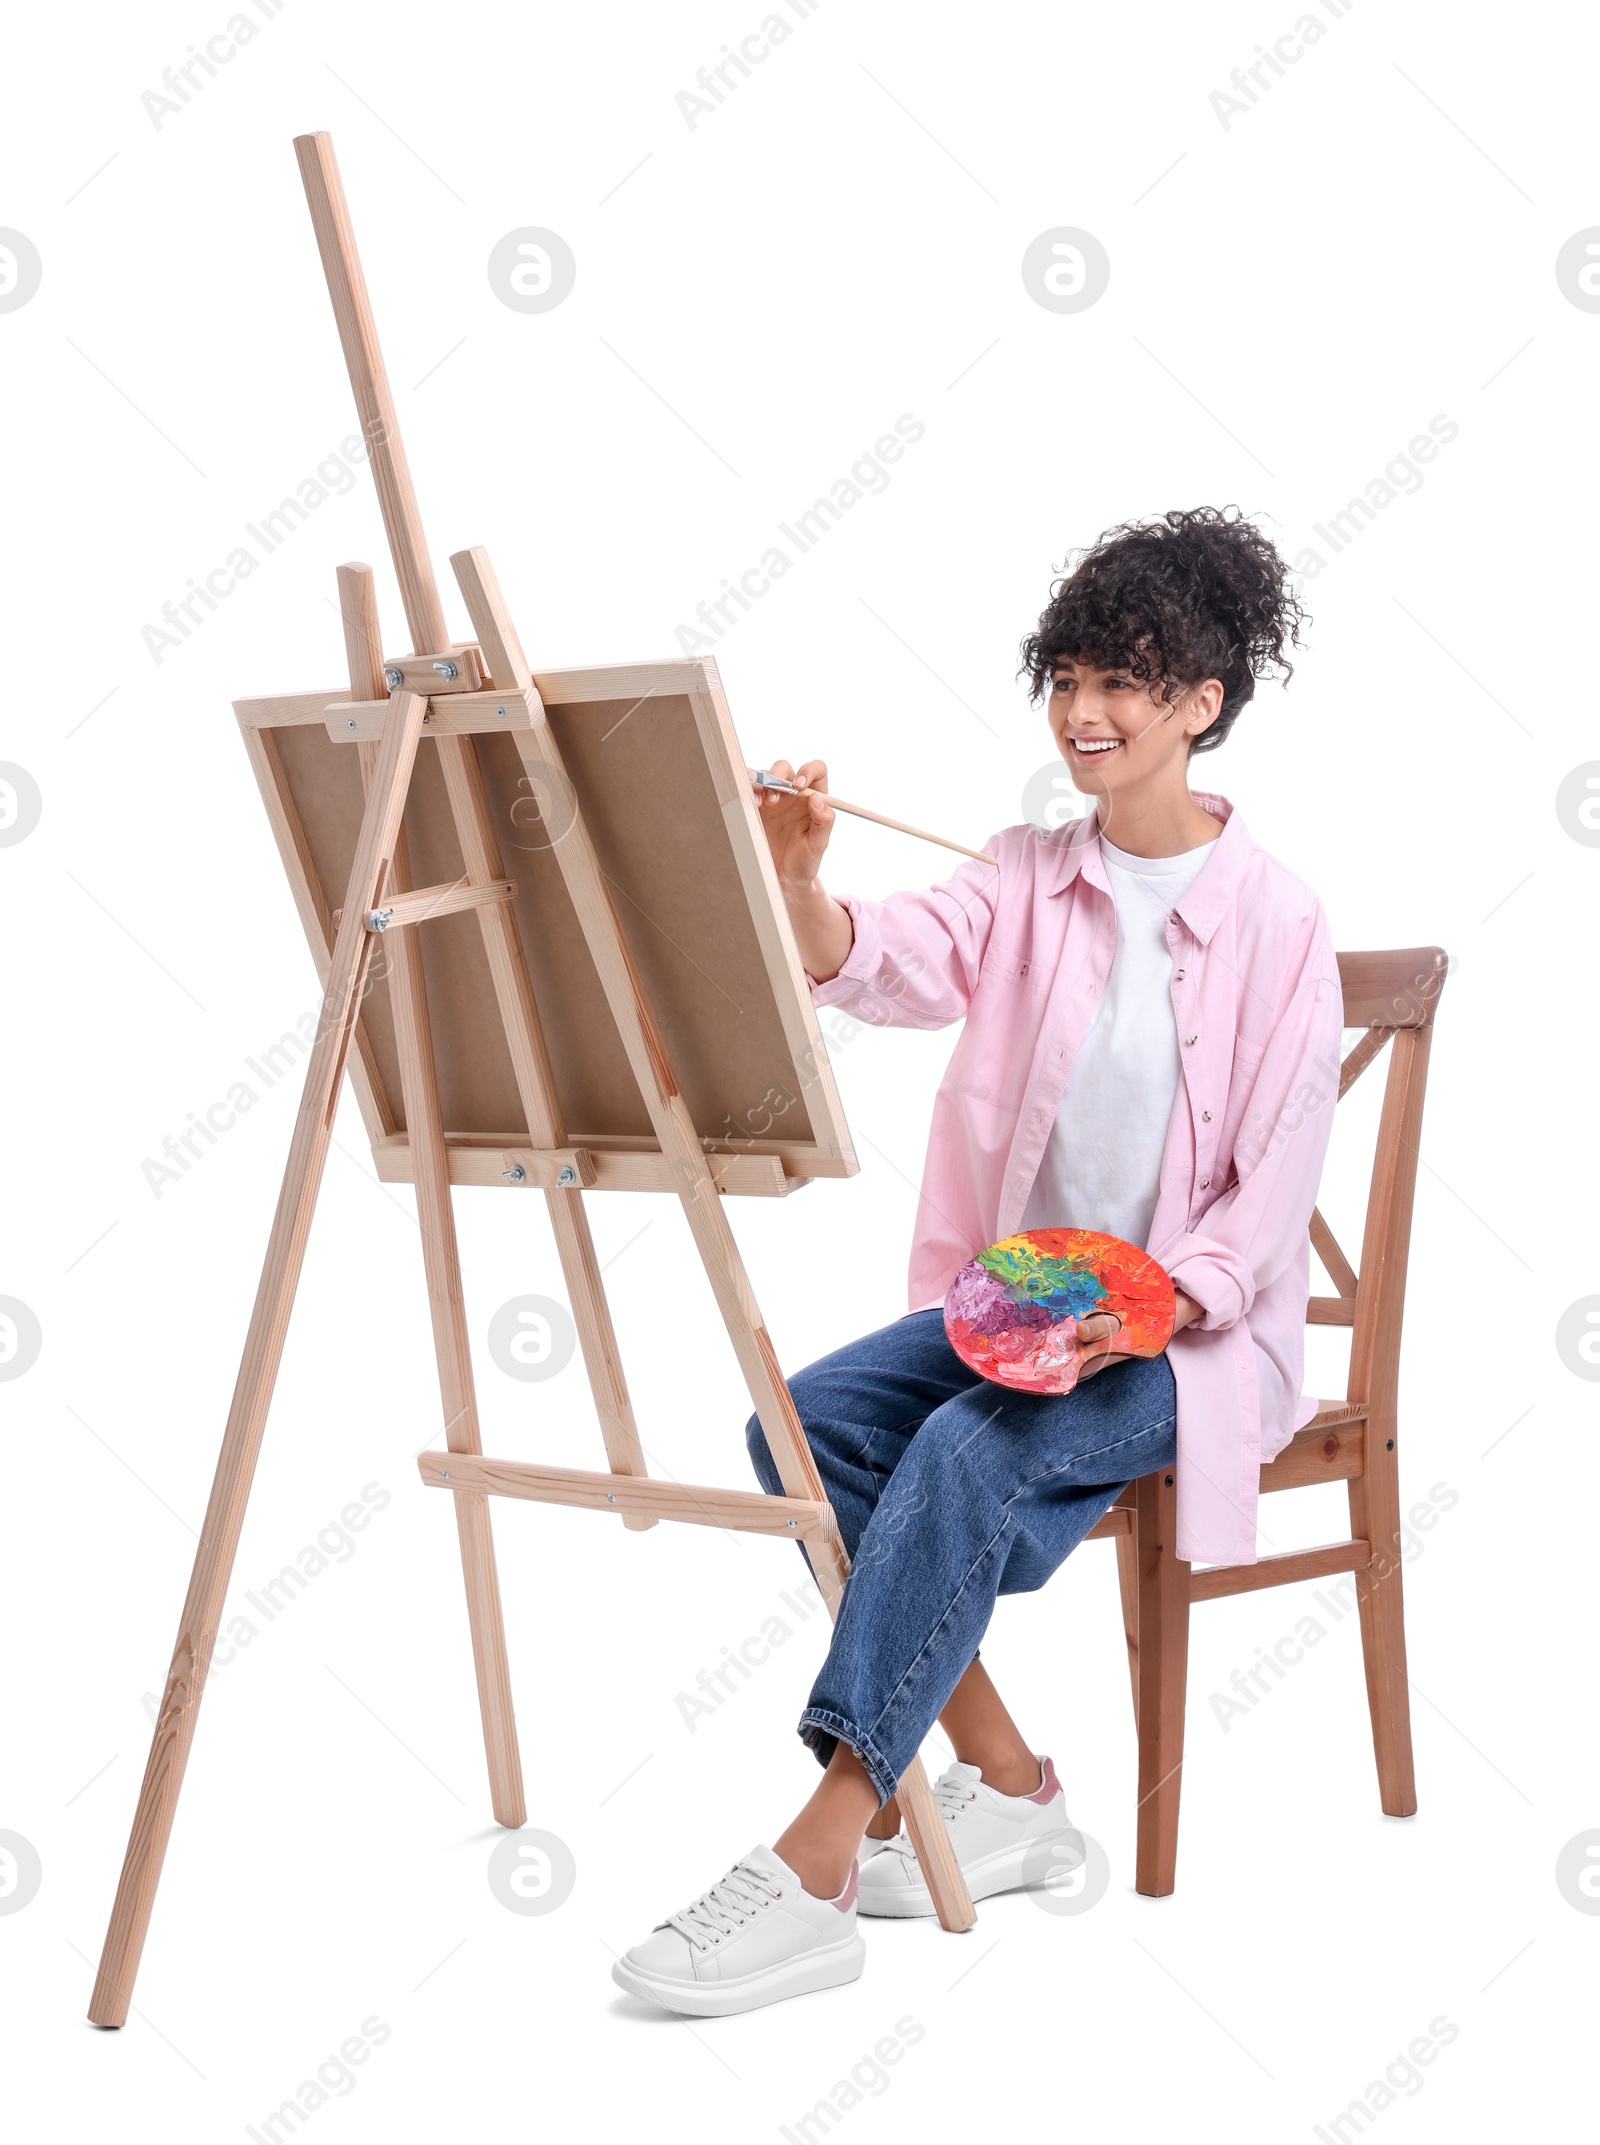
[740,1511]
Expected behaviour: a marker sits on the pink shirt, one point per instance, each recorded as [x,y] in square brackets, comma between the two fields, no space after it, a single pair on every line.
[1021,955]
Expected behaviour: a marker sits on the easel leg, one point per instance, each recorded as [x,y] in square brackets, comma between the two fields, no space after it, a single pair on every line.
[419,1084]
[442,1264]
[258,1370]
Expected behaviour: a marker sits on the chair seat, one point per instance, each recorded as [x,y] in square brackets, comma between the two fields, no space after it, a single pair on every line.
[1330,1412]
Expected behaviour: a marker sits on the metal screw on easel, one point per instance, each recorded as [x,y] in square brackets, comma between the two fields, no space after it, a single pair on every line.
[447,671]
[566,1175]
[393,677]
[791,1523]
[444,1474]
[516,1174]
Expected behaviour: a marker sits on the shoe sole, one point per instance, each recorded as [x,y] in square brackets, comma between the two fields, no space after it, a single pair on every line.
[1001,1871]
[812,1970]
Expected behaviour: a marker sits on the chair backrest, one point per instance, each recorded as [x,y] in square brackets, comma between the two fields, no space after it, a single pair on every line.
[1391,996]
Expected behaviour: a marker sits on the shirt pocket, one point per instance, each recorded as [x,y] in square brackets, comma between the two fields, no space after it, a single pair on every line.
[1013,968]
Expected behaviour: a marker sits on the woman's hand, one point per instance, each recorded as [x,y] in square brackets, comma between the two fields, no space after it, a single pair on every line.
[797,827]
[1095,1337]
[1096,1334]
[797,834]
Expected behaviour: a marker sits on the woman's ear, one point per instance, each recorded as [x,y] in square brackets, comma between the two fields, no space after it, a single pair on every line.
[1204,705]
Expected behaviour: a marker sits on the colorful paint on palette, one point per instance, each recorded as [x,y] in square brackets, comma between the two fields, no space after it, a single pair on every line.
[1012,1312]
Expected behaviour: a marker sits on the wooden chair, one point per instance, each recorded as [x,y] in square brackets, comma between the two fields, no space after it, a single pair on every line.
[1391,996]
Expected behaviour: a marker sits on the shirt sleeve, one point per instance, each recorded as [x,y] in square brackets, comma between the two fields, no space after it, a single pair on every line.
[916,956]
[1249,1236]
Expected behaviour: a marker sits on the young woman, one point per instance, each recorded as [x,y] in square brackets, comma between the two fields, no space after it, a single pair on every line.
[1152,1018]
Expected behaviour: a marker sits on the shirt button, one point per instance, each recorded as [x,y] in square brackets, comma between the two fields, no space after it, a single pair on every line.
[1206,1114]
[1179,976]
[1190,1039]
[1204,1183]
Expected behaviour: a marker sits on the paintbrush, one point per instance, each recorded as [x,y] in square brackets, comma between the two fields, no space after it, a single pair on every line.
[763,780]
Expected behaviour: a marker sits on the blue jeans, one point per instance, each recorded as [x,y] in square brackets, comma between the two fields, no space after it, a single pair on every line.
[948,1491]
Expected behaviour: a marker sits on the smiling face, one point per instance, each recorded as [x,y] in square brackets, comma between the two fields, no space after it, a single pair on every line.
[1116,732]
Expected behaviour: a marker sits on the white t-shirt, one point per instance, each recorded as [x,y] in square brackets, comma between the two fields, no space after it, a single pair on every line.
[1102,1166]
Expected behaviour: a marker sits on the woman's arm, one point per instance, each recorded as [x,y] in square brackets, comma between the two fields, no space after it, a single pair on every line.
[911,961]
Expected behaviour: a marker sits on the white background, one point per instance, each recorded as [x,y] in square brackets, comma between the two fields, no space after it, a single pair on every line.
[1293,297]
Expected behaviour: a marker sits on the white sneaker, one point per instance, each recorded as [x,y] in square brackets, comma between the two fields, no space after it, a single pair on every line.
[1002,1842]
[757,1936]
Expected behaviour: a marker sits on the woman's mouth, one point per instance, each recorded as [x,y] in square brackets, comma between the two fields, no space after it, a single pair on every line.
[1094,748]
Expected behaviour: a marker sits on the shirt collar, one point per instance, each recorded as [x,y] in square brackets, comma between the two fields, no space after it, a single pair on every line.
[1204,903]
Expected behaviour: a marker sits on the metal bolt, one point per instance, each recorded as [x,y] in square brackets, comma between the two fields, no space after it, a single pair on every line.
[1169,1482]
[350,725]
[393,676]
[444,1474]
[499,711]
[378,919]
[516,1174]
[611,1496]
[447,670]
[1390,1446]
[791,1523]
[566,1174]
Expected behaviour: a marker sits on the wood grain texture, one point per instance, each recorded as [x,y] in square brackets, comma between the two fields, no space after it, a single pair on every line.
[491,620]
[620,1169]
[263,1351]
[358,335]
[1216,1584]
[366,1072]
[739,1511]
[1163,1662]
[1324,1451]
[1375,1379]
[441,1264]
[423,903]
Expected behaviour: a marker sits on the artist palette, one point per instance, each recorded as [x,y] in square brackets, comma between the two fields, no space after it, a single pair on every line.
[1012,1313]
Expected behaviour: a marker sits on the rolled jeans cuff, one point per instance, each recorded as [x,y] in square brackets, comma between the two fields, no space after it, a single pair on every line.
[825,1731]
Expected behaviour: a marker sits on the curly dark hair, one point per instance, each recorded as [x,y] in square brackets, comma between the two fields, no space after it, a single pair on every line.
[1188,596]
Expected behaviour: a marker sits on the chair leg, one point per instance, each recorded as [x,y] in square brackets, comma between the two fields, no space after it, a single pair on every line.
[1375,1517]
[1128,1582]
[1163,1665]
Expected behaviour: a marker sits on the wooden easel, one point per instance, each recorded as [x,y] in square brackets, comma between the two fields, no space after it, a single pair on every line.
[448,695]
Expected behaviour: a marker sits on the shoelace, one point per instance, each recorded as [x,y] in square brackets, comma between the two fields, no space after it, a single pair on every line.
[950,1797]
[728,1905]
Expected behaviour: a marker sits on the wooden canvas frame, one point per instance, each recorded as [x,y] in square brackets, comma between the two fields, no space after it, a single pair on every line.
[668,800]
[453,709]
